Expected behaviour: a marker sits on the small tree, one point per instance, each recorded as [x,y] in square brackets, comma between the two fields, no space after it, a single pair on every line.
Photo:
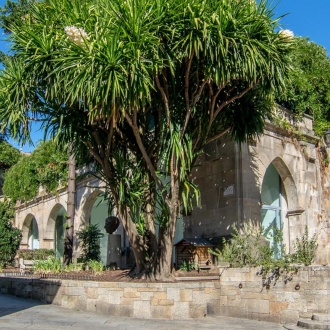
[10,237]
[90,243]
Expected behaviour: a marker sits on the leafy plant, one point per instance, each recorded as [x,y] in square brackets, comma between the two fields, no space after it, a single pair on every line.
[95,266]
[248,247]
[38,254]
[10,236]
[90,243]
[50,265]
[305,249]
[186,266]
[73,267]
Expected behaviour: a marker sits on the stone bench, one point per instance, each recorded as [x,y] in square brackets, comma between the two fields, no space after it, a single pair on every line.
[25,265]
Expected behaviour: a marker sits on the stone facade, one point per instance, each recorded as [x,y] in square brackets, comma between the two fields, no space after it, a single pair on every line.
[238,293]
[231,179]
[184,300]
[242,294]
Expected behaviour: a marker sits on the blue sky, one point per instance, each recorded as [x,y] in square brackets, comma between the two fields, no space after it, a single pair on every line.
[304,18]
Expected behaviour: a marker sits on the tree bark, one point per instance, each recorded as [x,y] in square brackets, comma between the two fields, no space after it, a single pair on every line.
[68,240]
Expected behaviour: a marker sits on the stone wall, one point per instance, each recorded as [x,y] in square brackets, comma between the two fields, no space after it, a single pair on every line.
[183,300]
[242,294]
[239,293]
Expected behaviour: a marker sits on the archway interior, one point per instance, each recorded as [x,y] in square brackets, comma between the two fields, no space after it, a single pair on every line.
[59,233]
[100,211]
[33,235]
[271,212]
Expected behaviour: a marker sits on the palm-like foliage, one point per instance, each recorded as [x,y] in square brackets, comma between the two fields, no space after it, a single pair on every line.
[150,82]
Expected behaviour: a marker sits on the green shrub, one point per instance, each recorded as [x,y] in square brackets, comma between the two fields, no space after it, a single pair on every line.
[50,265]
[38,254]
[10,237]
[73,267]
[305,249]
[186,266]
[95,266]
[248,248]
[90,243]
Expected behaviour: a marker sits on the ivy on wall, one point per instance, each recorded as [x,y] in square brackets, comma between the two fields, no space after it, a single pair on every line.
[46,167]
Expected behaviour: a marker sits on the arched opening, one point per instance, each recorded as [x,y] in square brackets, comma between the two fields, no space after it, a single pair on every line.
[30,233]
[60,222]
[33,240]
[99,212]
[274,205]
[95,211]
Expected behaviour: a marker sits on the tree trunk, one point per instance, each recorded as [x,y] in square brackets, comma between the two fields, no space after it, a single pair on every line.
[68,240]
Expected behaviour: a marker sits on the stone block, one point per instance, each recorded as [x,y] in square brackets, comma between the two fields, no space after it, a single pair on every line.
[185,295]
[132,294]
[146,295]
[115,297]
[127,301]
[165,302]
[173,294]
[235,312]
[161,312]
[70,302]
[91,305]
[141,309]
[197,310]
[160,295]
[275,308]
[120,310]
[180,310]
[257,306]
[237,302]
[289,316]
[91,293]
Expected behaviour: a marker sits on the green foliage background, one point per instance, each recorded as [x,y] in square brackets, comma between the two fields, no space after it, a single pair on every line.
[308,85]
[10,237]
[8,155]
[46,166]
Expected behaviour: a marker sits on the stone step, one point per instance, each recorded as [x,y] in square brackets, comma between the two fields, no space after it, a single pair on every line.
[321,317]
[313,324]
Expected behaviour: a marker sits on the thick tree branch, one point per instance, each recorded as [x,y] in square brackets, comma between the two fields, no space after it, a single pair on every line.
[232,99]
[165,100]
[217,136]
[143,151]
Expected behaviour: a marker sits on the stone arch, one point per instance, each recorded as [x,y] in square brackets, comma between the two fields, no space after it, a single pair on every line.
[288,184]
[290,210]
[88,206]
[49,235]
[26,230]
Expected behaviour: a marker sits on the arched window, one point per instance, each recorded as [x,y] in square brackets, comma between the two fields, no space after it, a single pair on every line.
[271,198]
[33,236]
[59,233]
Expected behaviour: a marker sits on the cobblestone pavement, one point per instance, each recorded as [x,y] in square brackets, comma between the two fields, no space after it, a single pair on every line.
[16,313]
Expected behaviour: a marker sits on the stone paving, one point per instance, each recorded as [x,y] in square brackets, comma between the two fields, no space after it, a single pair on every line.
[16,313]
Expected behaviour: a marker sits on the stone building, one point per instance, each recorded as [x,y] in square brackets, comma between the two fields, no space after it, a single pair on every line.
[277,180]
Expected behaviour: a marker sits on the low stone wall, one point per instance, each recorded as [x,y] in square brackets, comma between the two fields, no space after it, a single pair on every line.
[239,293]
[182,300]
[242,294]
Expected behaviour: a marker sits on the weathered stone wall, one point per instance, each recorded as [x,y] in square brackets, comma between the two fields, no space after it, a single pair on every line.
[306,293]
[239,293]
[230,178]
[143,300]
